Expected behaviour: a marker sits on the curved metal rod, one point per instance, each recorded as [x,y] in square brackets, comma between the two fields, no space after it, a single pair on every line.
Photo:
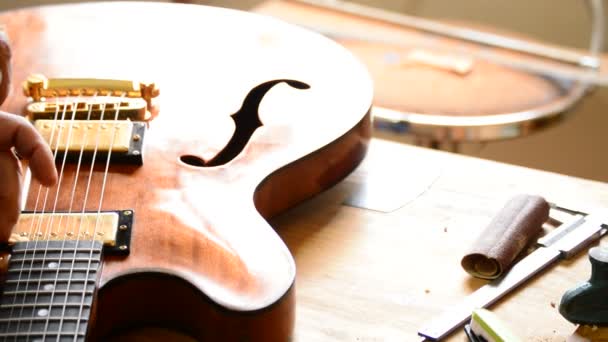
[485,38]
[596,44]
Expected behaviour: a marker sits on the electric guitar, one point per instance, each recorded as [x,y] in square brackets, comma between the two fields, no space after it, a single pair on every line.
[177,130]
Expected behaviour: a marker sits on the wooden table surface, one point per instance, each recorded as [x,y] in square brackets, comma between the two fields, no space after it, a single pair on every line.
[369,275]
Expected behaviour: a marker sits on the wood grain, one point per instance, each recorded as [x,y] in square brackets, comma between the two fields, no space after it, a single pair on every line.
[203,257]
[366,275]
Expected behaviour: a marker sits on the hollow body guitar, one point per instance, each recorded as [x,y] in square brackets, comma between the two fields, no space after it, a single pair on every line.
[162,221]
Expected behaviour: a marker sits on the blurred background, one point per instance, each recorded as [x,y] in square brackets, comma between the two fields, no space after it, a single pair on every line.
[575,146]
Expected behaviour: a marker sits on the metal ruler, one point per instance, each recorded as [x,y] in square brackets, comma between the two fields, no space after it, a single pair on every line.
[561,243]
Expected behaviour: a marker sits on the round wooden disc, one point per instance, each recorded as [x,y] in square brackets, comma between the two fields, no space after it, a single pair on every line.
[406,83]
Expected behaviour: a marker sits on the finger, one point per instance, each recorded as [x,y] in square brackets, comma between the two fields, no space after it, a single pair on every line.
[5,67]
[17,132]
[10,193]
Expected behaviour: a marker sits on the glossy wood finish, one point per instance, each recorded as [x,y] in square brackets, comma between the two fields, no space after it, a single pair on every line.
[203,256]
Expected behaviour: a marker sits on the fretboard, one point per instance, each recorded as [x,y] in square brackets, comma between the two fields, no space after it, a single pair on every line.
[48,291]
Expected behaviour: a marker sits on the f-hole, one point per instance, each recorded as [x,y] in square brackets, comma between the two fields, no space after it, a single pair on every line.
[246,121]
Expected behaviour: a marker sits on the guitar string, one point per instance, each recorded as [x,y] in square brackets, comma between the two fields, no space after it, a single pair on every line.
[102,191]
[32,235]
[45,237]
[82,214]
[31,228]
[69,225]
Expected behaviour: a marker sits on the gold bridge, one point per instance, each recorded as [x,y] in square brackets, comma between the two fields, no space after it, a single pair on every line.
[132,98]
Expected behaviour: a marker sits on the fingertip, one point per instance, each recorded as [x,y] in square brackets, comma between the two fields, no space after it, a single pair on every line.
[43,165]
[49,178]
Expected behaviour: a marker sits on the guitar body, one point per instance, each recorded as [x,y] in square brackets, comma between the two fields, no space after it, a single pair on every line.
[203,260]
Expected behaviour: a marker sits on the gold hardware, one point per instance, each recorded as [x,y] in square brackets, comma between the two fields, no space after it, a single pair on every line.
[90,139]
[133,109]
[123,227]
[135,97]
[38,87]
[104,224]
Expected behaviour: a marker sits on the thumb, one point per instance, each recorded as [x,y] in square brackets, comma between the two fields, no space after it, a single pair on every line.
[10,193]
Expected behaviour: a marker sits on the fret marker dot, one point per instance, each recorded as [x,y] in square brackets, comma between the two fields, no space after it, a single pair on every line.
[43,312]
[53,265]
[48,287]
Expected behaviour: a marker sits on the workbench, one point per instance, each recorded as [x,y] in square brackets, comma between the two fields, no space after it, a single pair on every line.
[379,275]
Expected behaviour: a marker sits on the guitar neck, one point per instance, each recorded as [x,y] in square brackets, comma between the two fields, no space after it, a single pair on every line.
[49,289]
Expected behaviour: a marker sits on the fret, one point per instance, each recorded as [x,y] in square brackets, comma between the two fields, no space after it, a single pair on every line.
[55,281]
[40,334]
[74,296]
[41,305]
[52,276]
[49,290]
[56,299]
[49,285]
[56,246]
[46,292]
[55,257]
[51,269]
[56,250]
[56,253]
[50,327]
[41,319]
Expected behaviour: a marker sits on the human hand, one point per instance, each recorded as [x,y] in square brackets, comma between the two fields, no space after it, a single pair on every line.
[17,135]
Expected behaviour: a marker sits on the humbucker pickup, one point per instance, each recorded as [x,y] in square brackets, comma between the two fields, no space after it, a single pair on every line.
[121,139]
[112,228]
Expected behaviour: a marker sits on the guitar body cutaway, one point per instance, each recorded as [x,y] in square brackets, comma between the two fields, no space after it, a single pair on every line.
[202,259]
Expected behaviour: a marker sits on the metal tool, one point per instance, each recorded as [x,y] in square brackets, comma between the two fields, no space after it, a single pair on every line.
[561,243]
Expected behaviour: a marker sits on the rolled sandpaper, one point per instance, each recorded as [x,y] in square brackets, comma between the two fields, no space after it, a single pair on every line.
[509,232]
